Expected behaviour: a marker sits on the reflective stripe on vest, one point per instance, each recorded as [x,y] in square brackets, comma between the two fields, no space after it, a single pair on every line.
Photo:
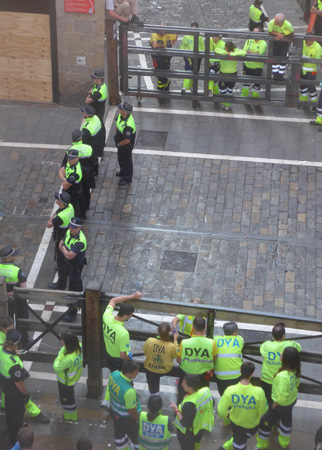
[66,216]
[196,355]
[154,435]
[187,321]
[229,356]
[71,240]
[122,123]
[93,125]
[84,150]
[102,89]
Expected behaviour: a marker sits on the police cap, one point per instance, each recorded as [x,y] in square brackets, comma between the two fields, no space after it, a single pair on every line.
[72,153]
[13,336]
[125,107]
[75,223]
[97,74]
[7,251]
[88,109]
[76,134]
[63,197]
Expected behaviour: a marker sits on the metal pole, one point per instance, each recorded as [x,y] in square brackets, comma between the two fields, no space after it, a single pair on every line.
[111,55]
[211,323]
[3,297]
[294,74]
[93,338]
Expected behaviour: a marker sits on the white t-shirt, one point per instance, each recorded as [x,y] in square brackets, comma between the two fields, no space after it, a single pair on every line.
[110,5]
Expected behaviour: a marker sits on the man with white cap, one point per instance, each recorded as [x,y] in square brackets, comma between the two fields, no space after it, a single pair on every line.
[125,132]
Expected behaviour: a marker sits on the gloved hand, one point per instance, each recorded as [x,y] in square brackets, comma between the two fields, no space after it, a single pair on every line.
[130,355]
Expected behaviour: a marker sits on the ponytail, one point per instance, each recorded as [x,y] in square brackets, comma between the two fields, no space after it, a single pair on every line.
[154,406]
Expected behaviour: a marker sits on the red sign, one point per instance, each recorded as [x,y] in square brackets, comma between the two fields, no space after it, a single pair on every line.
[79,6]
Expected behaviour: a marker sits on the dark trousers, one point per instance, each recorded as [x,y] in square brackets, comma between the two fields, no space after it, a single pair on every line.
[62,268]
[124,156]
[114,363]
[67,397]
[88,182]
[318,26]
[226,87]
[281,415]
[75,283]
[162,63]
[78,201]
[305,88]
[181,392]
[254,73]
[241,436]
[20,310]
[224,384]
[280,48]
[153,380]
[267,388]
[125,428]
[187,441]
[15,410]
[100,115]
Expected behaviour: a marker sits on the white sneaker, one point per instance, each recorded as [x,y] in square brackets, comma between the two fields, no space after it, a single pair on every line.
[210,93]
[183,90]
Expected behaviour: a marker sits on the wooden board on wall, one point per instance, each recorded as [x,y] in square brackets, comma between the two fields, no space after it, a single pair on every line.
[25,57]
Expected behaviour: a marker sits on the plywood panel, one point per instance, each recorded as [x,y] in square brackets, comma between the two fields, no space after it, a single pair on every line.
[22,24]
[25,57]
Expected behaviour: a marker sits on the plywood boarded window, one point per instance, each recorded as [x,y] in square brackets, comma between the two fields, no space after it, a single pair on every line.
[25,57]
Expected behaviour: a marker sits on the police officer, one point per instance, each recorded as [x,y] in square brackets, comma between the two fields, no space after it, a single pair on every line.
[256,16]
[88,162]
[73,248]
[125,406]
[196,356]
[125,132]
[281,29]
[97,96]
[69,367]
[271,352]
[195,414]
[246,404]
[252,68]
[154,428]
[60,222]
[14,277]
[92,132]
[116,336]
[12,384]
[71,175]
[311,49]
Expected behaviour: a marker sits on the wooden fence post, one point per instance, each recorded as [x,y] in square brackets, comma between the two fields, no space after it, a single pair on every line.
[93,337]
[3,297]
[112,68]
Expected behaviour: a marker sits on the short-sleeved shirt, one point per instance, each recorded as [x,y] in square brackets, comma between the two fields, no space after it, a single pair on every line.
[110,4]
[159,355]
[166,39]
[15,371]
[116,336]
[286,28]
[21,279]
[130,396]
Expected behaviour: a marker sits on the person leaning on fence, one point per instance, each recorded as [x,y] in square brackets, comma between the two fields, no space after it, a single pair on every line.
[252,68]
[194,415]
[188,44]
[124,405]
[154,427]
[159,355]
[271,352]
[284,395]
[196,356]
[311,49]
[25,439]
[228,67]
[214,66]
[185,322]
[280,29]
[229,359]
[256,16]
[245,404]
[69,367]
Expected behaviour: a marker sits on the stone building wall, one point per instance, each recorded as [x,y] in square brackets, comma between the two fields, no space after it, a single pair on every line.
[78,35]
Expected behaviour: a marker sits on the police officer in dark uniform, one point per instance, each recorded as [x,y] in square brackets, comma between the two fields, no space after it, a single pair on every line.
[125,132]
[73,247]
[92,131]
[97,96]
[59,222]
[12,376]
[71,175]
[14,277]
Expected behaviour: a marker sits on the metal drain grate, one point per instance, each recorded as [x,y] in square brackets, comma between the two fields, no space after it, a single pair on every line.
[152,139]
[179,261]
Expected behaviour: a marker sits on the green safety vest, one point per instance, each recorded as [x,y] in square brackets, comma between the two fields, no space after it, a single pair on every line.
[319,5]
[255,14]
[66,215]
[229,357]
[188,43]
[128,122]
[93,125]
[271,352]
[118,386]
[229,66]
[256,47]
[70,376]
[280,381]
[212,47]
[102,89]
[84,150]
[154,435]
[204,418]
[314,51]
[285,29]
[10,271]
[71,240]
[186,324]
[196,356]
[77,168]
[6,362]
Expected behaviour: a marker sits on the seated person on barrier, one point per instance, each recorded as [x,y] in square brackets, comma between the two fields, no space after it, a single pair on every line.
[159,355]
[124,11]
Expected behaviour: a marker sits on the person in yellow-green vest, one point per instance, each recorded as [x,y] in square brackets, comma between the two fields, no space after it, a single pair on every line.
[92,130]
[97,96]
[196,356]
[185,322]
[194,415]
[317,10]
[271,352]
[256,16]
[252,68]
[228,67]
[69,367]
[6,324]
[125,132]
[281,29]
[311,49]
[188,44]
[154,427]
[245,404]
[284,395]
[125,406]
[214,66]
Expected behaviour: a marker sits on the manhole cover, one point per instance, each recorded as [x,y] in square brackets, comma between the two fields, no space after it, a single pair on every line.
[179,261]
[152,139]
